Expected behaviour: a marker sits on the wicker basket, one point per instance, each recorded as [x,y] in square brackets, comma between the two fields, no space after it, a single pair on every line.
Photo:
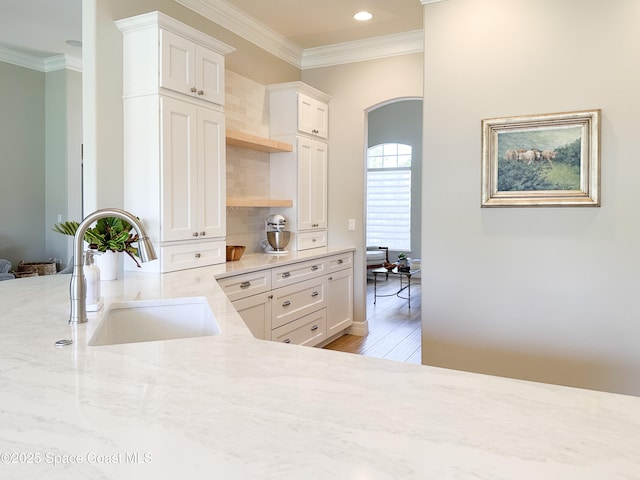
[41,268]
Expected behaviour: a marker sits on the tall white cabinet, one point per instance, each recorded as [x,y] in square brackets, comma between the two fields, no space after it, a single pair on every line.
[299,115]
[174,139]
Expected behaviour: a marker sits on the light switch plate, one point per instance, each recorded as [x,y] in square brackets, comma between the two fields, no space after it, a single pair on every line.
[352,224]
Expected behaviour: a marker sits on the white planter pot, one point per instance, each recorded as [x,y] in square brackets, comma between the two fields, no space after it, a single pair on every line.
[108,264]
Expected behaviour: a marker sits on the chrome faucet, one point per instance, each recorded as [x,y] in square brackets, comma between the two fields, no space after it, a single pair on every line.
[78,287]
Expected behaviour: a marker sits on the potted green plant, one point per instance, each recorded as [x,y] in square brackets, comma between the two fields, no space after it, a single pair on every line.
[110,234]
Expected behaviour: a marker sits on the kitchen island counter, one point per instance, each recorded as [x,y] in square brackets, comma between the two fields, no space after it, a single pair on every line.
[230,406]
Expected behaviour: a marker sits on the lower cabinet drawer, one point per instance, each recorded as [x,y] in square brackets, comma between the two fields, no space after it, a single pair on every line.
[294,301]
[308,330]
[297,272]
[246,284]
[311,239]
[192,254]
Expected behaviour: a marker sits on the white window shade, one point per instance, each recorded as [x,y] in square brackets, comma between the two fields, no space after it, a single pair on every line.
[389,208]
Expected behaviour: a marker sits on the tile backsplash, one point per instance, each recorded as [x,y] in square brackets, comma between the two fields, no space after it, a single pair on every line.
[247,110]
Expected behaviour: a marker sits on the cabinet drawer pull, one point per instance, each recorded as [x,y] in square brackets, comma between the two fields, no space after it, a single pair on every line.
[195,234]
[198,255]
[194,89]
[340,262]
[314,268]
[245,284]
[202,234]
[286,303]
[313,240]
[200,92]
[287,341]
[315,293]
[286,275]
[314,328]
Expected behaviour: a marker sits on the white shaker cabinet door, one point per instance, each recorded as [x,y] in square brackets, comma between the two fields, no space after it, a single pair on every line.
[179,174]
[339,301]
[209,75]
[313,116]
[178,63]
[211,174]
[312,184]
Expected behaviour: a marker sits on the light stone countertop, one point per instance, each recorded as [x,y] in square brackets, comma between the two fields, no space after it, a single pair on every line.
[233,407]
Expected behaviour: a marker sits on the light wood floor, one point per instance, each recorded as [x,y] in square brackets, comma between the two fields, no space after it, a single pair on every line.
[394,328]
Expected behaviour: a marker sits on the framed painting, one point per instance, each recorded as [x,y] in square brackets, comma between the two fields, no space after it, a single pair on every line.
[541,160]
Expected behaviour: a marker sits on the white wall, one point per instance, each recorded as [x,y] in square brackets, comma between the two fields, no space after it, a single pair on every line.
[22,164]
[547,294]
[354,88]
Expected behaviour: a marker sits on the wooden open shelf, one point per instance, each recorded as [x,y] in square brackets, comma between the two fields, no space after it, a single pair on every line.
[253,142]
[258,202]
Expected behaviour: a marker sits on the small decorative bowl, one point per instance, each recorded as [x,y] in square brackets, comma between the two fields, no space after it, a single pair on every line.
[234,252]
[390,266]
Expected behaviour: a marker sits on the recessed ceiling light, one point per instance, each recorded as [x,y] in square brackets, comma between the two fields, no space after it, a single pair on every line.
[74,43]
[363,16]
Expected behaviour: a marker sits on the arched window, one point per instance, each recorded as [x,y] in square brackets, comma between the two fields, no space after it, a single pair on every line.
[389,196]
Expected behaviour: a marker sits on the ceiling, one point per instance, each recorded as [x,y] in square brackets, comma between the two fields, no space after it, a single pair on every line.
[40,28]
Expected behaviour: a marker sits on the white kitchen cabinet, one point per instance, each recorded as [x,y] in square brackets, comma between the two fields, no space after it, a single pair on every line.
[161,53]
[298,108]
[304,302]
[294,301]
[295,110]
[312,185]
[190,68]
[309,330]
[174,140]
[339,301]
[193,171]
[255,310]
[313,116]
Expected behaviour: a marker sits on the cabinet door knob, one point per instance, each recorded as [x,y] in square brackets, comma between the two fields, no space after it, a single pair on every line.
[245,284]
[200,92]
[315,293]
[286,275]
[194,89]
[286,303]
[287,341]
[198,255]
[330,278]
[314,328]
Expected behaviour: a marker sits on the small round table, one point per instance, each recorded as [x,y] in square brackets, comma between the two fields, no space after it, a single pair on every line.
[395,271]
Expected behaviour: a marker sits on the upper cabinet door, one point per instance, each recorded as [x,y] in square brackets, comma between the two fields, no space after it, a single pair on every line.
[209,75]
[178,63]
[190,68]
[313,116]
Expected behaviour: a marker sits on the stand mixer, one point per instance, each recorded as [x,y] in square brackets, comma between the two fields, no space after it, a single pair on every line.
[277,236]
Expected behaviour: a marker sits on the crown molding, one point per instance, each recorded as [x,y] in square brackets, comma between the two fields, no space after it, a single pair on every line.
[427,2]
[238,22]
[361,50]
[45,65]
[21,59]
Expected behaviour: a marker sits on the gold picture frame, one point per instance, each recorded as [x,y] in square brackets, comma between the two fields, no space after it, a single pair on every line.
[542,160]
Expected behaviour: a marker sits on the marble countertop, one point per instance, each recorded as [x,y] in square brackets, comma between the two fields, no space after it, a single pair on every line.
[233,407]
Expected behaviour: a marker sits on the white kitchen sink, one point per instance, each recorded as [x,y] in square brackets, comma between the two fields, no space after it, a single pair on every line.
[151,320]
